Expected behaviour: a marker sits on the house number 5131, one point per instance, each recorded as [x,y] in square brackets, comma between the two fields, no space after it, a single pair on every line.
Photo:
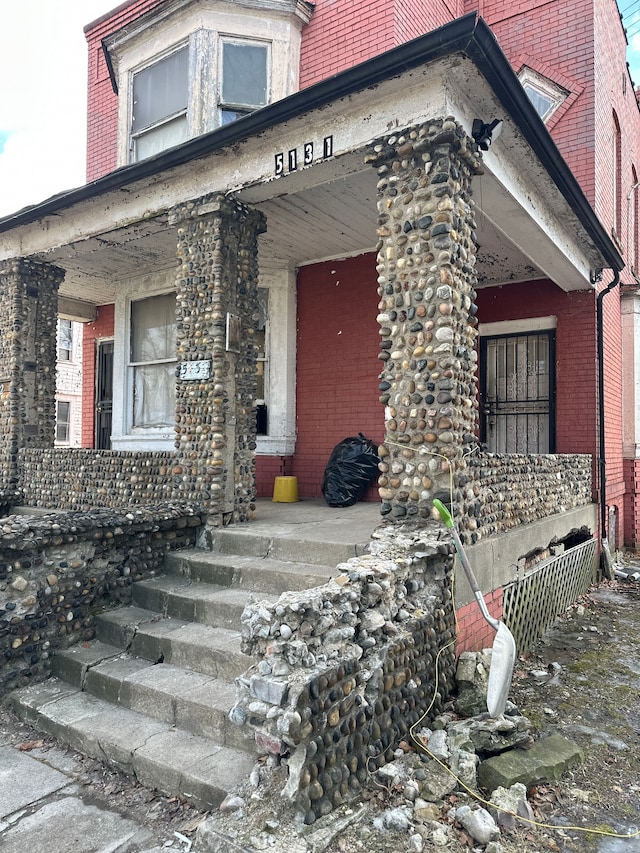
[295,158]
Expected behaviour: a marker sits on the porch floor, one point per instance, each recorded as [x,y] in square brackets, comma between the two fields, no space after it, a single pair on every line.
[311,520]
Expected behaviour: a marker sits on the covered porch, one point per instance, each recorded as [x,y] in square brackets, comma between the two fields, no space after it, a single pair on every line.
[378,164]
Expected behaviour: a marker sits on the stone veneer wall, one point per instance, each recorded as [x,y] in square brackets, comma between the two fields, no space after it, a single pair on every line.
[343,671]
[57,571]
[215,420]
[28,348]
[80,479]
[501,491]
[426,280]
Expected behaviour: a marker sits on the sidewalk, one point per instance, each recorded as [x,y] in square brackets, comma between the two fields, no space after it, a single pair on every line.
[53,800]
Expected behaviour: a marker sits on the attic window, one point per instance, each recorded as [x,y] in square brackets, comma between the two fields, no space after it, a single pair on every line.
[545,95]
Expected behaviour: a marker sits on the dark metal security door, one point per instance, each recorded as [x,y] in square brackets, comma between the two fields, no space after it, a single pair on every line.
[104,394]
[518,393]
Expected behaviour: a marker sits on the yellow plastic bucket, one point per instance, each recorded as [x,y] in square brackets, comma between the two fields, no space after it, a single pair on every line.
[285,490]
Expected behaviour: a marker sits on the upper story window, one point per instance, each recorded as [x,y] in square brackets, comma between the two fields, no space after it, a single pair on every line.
[188,67]
[244,77]
[545,95]
[160,99]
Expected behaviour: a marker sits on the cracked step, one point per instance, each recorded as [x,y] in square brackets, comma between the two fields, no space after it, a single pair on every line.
[192,645]
[253,573]
[180,697]
[193,601]
[158,755]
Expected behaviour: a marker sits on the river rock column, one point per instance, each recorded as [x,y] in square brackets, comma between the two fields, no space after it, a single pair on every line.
[426,278]
[217,313]
[28,348]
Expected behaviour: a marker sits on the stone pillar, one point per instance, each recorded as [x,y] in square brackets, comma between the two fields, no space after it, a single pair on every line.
[426,278]
[28,349]
[217,309]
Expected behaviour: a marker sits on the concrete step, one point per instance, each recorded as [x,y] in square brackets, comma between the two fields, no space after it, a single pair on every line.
[161,639]
[194,601]
[320,547]
[254,573]
[189,700]
[160,756]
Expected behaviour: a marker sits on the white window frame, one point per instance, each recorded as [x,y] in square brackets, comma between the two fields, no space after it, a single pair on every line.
[546,88]
[186,112]
[71,341]
[245,109]
[277,23]
[124,436]
[67,440]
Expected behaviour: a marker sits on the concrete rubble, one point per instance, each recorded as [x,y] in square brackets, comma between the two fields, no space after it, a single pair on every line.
[433,768]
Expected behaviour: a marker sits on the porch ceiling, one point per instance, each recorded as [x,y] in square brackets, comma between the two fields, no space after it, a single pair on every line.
[330,220]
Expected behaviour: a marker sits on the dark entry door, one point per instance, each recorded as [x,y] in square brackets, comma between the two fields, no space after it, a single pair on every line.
[104,394]
[518,393]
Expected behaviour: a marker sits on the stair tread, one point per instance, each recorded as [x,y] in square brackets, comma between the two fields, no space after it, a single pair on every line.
[155,624]
[158,754]
[170,680]
[206,591]
[316,570]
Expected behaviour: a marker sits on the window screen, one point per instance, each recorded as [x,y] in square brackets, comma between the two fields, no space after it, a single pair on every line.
[153,355]
[244,75]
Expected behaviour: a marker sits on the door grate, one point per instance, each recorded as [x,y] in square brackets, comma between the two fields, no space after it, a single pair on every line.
[532,603]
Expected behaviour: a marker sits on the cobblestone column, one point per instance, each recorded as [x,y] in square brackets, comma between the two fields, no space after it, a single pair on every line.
[28,347]
[217,312]
[426,278]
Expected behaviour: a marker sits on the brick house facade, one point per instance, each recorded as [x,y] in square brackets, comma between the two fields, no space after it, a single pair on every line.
[361,254]
[586,64]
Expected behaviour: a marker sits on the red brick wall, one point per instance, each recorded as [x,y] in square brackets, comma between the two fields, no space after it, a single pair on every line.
[343,33]
[101,328]
[337,364]
[102,102]
[474,632]
[267,469]
[560,35]
[632,502]
[576,368]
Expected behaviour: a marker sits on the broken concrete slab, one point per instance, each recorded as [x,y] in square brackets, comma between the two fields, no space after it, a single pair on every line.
[76,828]
[548,759]
[23,781]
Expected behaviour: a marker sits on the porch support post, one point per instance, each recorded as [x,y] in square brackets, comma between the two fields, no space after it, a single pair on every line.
[28,347]
[426,279]
[217,310]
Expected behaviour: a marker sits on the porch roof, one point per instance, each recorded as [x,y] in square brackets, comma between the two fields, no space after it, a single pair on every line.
[533,225]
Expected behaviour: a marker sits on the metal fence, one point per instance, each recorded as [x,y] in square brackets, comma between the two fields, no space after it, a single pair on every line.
[532,603]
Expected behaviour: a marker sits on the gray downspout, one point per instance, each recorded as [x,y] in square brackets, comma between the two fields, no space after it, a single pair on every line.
[602,463]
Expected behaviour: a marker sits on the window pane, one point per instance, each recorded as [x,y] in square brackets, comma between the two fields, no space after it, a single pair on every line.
[153,328]
[154,395]
[63,412]
[160,138]
[161,90]
[244,74]
[65,340]
[541,102]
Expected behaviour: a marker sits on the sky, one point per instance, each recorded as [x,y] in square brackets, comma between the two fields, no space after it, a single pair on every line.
[43,93]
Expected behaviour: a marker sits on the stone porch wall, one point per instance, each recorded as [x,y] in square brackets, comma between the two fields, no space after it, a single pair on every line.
[502,491]
[80,479]
[58,570]
[497,491]
[343,671]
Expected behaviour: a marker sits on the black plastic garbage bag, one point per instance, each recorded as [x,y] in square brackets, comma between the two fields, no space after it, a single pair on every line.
[351,469]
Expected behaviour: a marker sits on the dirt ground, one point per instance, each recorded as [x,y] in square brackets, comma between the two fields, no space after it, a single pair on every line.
[581,680]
